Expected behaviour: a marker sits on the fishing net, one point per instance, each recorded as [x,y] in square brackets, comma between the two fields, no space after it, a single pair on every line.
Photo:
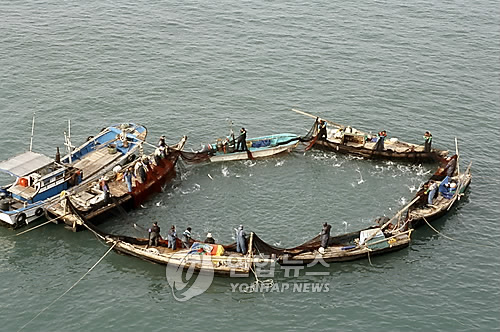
[195,157]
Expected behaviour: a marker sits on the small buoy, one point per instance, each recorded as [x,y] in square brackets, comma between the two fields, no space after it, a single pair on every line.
[23,182]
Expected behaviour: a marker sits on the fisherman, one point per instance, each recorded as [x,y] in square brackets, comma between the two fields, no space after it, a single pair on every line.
[127,177]
[154,235]
[161,142]
[428,141]
[105,188]
[172,238]
[379,146]
[448,190]
[140,172]
[322,134]
[241,240]
[186,238]
[209,239]
[242,140]
[450,166]
[431,191]
[325,235]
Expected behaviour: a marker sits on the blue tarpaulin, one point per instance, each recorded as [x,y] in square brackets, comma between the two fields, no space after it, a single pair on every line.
[261,143]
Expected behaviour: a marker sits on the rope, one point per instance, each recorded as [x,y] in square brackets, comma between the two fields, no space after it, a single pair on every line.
[449,238]
[369,259]
[74,285]
[29,230]
[254,286]
[435,230]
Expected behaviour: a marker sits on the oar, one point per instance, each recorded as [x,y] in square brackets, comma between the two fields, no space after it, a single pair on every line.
[315,117]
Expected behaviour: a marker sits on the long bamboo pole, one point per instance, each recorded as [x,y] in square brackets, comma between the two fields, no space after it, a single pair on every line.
[314,116]
[32,132]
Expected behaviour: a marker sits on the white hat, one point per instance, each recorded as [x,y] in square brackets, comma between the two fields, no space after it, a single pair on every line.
[209,234]
[321,250]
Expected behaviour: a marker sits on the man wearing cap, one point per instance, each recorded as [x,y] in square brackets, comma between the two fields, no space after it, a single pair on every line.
[209,239]
[241,241]
[154,235]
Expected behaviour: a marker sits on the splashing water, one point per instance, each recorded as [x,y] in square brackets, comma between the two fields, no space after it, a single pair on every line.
[360,181]
[421,172]
[279,163]
[412,188]
[225,171]
[250,163]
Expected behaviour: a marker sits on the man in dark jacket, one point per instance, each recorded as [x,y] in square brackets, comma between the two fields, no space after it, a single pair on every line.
[322,134]
[242,140]
[154,234]
[379,146]
[241,240]
[325,235]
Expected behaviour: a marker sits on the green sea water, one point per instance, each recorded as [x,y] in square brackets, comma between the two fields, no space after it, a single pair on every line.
[186,68]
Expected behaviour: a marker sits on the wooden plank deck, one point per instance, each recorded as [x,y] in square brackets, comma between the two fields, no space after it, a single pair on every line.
[95,161]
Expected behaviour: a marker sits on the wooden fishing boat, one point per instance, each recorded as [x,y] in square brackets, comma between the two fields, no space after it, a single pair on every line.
[151,173]
[346,247]
[450,191]
[386,236]
[258,147]
[200,257]
[348,140]
[39,179]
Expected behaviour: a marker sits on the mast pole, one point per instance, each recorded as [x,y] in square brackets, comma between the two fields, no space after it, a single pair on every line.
[32,131]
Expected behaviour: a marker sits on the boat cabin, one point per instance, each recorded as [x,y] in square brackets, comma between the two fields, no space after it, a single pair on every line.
[38,177]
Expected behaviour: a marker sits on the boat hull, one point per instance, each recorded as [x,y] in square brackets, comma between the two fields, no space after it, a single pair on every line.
[254,153]
[436,212]
[159,173]
[339,253]
[387,154]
